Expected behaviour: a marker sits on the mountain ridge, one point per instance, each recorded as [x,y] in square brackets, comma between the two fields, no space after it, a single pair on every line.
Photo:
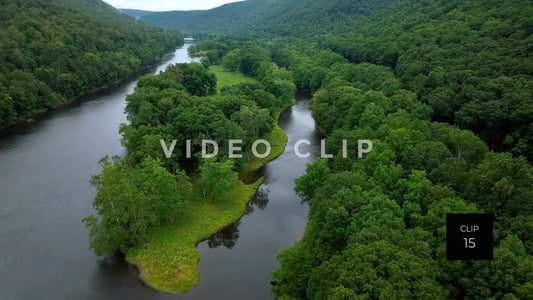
[292,17]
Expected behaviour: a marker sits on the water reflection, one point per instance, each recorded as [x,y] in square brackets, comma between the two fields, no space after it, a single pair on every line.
[277,221]
[229,235]
[226,237]
[115,278]
[260,199]
[250,177]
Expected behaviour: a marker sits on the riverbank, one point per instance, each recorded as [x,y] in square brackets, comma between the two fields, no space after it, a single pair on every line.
[76,135]
[277,139]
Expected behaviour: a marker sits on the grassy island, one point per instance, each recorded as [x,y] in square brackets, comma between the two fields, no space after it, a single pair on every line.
[148,207]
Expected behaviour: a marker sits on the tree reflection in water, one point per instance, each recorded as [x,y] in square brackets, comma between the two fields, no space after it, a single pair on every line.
[260,199]
[228,236]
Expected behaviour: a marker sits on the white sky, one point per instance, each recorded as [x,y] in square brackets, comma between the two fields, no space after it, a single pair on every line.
[163,5]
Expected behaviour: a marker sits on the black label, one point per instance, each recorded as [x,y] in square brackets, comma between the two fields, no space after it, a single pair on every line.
[469,236]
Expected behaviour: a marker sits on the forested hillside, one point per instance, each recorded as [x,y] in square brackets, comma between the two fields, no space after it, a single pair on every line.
[52,51]
[163,19]
[377,224]
[274,17]
[136,13]
[471,61]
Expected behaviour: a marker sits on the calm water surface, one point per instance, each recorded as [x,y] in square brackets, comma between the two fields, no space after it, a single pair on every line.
[45,168]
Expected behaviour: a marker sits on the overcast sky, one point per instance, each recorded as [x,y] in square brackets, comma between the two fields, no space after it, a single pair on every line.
[162,5]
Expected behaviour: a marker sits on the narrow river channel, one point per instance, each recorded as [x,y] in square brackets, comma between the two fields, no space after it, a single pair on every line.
[45,168]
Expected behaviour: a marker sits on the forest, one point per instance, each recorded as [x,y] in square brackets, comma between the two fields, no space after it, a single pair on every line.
[443,89]
[377,225]
[469,61]
[273,18]
[53,51]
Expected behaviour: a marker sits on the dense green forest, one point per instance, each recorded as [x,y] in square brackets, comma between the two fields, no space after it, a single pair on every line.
[52,51]
[469,61]
[272,17]
[377,225]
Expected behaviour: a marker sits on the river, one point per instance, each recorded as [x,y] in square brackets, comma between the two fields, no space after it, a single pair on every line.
[45,168]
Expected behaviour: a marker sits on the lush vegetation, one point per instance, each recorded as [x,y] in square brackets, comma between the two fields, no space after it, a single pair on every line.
[377,225]
[155,208]
[130,201]
[271,17]
[169,259]
[442,88]
[228,78]
[470,61]
[52,51]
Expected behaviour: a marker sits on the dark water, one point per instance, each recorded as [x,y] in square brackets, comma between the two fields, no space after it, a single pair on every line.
[45,169]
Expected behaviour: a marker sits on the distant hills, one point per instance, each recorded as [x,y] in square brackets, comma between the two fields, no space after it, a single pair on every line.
[137,13]
[293,17]
[164,19]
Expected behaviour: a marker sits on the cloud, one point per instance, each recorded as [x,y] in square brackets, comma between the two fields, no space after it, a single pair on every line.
[163,5]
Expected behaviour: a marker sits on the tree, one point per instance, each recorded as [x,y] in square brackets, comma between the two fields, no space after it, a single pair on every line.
[256,121]
[195,78]
[7,114]
[247,59]
[379,269]
[426,156]
[316,174]
[217,179]
[505,185]
[231,60]
[130,201]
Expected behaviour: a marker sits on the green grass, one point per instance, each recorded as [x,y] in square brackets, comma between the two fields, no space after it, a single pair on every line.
[169,260]
[278,140]
[227,77]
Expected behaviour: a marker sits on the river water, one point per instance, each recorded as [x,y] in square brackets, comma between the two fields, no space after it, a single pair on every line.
[45,168]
